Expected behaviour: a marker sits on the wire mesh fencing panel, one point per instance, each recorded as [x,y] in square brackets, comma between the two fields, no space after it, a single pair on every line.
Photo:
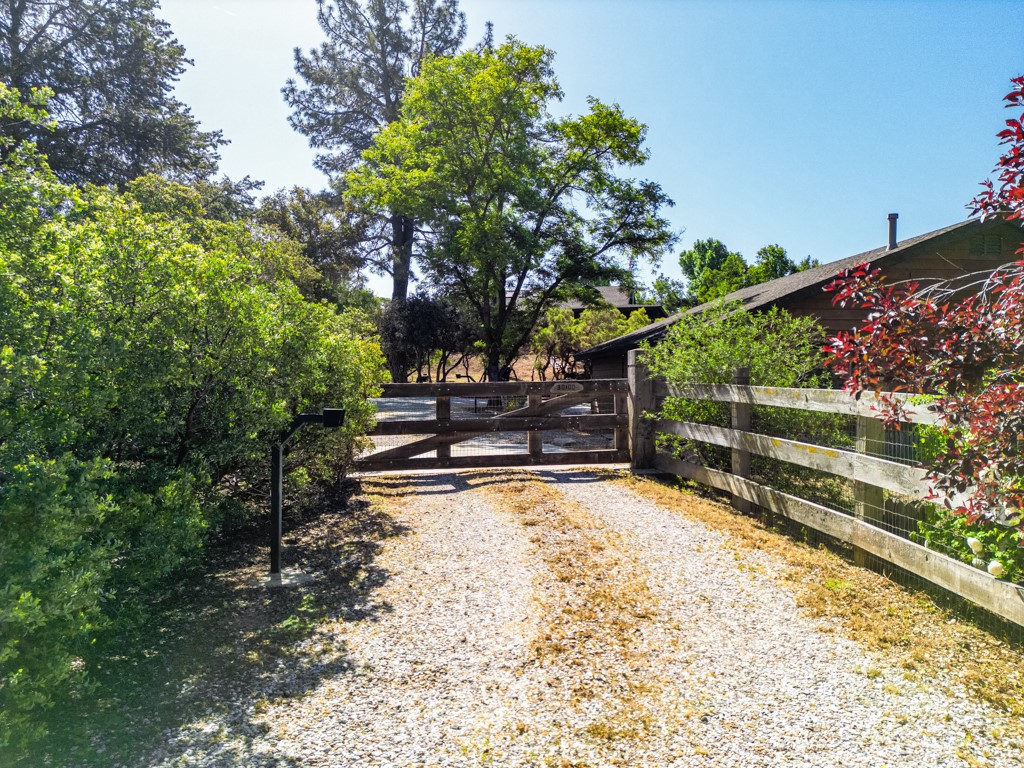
[501,443]
[399,409]
[513,423]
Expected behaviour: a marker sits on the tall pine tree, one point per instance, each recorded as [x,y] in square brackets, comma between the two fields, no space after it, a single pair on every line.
[353,86]
[112,65]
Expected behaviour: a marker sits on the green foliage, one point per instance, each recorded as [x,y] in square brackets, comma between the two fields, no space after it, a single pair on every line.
[148,353]
[111,65]
[705,348]
[702,267]
[670,294]
[713,271]
[556,343]
[331,236]
[354,84]
[429,335]
[519,205]
[950,533]
[778,349]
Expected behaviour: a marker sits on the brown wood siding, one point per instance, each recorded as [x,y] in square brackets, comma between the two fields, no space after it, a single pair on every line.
[947,261]
[612,366]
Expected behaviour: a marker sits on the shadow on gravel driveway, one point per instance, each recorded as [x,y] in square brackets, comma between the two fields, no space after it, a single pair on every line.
[188,689]
[444,482]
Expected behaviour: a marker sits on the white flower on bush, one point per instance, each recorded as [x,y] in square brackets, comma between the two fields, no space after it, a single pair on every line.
[990,472]
[976,546]
[1009,517]
[978,562]
[995,568]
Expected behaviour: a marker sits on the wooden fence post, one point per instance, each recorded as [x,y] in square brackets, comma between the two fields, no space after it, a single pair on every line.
[443,411]
[740,419]
[869,500]
[621,442]
[641,399]
[534,438]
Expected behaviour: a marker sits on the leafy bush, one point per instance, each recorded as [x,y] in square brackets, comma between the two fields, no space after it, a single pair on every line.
[980,544]
[148,354]
[779,350]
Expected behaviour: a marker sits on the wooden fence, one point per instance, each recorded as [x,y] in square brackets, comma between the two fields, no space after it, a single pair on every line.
[872,475]
[540,413]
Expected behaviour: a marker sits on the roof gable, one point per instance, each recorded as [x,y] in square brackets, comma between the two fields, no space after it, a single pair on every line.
[792,286]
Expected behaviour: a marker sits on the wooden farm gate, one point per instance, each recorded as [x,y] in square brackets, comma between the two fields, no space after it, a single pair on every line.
[499,424]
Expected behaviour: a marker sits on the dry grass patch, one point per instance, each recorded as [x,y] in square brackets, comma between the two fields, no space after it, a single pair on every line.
[593,599]
[904,626]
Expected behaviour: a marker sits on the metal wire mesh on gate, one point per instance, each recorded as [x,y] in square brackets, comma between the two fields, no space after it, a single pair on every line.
[500,443]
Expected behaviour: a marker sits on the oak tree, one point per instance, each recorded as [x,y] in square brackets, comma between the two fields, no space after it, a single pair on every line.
[516,206]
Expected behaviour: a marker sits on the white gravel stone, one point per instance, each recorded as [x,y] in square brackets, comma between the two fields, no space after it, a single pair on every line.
[446,675]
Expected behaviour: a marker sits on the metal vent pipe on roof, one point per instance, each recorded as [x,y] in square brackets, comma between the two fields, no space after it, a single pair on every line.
[892,230]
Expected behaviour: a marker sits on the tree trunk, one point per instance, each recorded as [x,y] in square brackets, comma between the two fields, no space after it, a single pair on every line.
[401,255]
[495,370]
[397,352]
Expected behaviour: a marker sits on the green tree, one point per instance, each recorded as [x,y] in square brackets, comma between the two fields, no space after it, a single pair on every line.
[519,205]
[354,84]
[562,336]
[773,262]
[330,236]
[112,66]
[430,332]
[697,263]
[716,283]
[779,350]
[705,348]
[713,271]
[669,293]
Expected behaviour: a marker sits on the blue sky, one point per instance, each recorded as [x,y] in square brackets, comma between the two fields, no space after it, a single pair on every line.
[801,122]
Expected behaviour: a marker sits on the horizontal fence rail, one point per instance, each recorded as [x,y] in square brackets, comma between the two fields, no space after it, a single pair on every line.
[498,424]
[498,388]
[534,411]
[999,597]
[870,475]
[820,400]
[881,473]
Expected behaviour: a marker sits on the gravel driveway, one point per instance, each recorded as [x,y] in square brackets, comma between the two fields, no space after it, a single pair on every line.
[557,618]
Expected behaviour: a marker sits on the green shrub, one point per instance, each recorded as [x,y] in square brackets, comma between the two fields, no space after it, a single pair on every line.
[148,354]
[951,534]
[779,350]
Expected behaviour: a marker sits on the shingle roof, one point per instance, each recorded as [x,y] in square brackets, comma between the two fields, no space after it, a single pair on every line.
[763,294]
[612,294]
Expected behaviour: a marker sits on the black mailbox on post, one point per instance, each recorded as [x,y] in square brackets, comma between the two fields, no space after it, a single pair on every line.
[334,418]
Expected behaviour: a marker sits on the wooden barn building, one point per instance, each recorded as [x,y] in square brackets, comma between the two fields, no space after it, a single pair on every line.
[956,251]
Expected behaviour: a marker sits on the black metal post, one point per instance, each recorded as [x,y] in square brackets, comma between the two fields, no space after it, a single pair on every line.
[331,418]
[276,501]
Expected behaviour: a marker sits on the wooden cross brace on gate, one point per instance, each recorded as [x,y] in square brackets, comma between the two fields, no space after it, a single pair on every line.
[535,416]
